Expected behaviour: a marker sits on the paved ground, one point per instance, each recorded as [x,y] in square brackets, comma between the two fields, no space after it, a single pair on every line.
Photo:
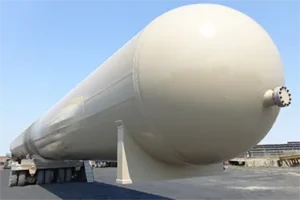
[237,183]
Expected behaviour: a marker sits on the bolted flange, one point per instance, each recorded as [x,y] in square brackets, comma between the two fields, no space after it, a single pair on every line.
[282,96]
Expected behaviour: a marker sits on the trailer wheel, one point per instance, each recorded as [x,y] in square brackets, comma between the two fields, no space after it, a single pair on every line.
[40,177]
[22,178]
[13,179]
[68,175]
[48,176]
[60,176]
[30,179]
[105,164]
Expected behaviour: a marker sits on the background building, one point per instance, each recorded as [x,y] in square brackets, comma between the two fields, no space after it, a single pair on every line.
[269,150]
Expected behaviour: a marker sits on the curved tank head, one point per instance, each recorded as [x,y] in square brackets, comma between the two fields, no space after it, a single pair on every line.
[208,76]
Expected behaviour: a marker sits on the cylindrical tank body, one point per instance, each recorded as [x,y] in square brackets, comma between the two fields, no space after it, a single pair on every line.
[189,88]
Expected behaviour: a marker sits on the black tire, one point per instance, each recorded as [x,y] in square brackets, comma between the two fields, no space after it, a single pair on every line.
[68,175]
[30,179]
[40,177]
[48,176]
[105,164]
[81,176]
[22,178]
[13,179]
[60,176]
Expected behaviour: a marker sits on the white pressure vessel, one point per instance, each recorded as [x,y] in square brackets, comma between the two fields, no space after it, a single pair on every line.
[200,84]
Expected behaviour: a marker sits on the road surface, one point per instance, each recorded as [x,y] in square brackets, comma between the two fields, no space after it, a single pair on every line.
[237,183]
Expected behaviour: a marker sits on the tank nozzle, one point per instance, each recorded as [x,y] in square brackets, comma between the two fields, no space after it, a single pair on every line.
[280,97]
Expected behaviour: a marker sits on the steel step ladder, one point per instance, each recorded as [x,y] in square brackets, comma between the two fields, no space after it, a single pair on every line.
[89,173]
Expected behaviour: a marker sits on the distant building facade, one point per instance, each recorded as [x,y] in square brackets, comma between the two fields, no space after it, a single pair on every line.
[265,150]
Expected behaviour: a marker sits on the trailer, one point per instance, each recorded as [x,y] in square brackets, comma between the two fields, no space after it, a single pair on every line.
[40,171]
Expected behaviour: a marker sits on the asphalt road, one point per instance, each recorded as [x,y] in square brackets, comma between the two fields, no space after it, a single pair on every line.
[237,183]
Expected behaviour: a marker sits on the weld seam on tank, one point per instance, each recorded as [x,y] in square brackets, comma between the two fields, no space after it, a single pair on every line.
[109,87]
[28,144]
[136,77]
[136,81]
[136,86]
[143,110]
